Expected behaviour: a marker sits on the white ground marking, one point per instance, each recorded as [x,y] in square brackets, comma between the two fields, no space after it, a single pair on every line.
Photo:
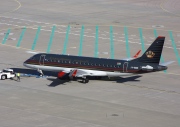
[12,39]
[6,23]
[6,33]
[106,32]
[89,36]
[45,30]
[26,20]
[105,53]
[133,35]
[62,25]
[75,34]
[33,28]
[152,37]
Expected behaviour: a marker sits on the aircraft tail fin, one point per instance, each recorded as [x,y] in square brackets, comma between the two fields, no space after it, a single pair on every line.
[153,53]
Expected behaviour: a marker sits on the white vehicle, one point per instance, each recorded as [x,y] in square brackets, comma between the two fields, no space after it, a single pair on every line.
[7,74]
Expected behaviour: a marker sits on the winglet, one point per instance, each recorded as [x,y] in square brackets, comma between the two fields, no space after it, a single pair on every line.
[136,55]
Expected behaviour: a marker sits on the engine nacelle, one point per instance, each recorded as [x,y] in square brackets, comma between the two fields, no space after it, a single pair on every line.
[147,68]
[61,74]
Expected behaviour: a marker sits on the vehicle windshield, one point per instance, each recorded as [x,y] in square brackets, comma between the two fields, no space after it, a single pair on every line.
[6,71]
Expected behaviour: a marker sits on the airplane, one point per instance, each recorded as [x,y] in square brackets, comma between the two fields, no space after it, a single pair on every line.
[81,67]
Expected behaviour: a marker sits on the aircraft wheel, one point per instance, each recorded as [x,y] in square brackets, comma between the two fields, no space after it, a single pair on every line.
[83,80]
[87,80]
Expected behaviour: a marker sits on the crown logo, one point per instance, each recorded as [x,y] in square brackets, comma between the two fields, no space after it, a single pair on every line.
[150,54]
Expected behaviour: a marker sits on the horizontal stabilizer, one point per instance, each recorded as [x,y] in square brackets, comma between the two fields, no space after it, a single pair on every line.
[166,63]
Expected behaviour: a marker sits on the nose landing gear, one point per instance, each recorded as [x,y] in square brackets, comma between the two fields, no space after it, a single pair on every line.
[41,73]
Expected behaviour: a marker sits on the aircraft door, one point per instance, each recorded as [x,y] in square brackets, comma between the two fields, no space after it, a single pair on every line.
[125,66]
[41,59]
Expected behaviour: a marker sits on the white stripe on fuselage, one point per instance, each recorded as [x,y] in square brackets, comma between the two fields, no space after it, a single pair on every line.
[91,72]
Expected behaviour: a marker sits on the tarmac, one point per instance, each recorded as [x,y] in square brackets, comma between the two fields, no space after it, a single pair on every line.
[105,29]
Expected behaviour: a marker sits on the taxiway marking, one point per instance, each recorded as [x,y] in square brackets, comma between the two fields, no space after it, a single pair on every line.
[111,42]
[36,38]
[6,36]
[81,41]
[21,37]
[174,46]
[127,43]
[96,42]
[51,39]
[66,40]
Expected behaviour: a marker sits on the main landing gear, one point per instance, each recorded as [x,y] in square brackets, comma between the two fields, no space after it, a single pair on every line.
[85,80]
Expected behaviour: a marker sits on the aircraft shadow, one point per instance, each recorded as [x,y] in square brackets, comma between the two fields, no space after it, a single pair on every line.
[34,72]
[56,82]
[129,79]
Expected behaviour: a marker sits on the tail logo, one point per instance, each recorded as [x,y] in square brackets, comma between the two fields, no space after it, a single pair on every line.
[150,54]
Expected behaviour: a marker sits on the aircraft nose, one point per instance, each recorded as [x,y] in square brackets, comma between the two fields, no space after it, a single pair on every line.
[25,63]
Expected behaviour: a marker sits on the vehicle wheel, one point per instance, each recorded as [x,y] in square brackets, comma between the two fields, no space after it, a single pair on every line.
[3,77]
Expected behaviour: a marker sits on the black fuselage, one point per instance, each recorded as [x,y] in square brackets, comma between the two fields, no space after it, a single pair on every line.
[91,63]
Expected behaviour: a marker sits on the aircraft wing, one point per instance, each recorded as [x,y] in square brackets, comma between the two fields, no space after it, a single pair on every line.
[134,57]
